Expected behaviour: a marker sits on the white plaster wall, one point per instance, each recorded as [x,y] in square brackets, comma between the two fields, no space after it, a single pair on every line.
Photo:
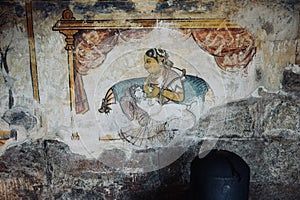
[14,35]
[53,74]
[275,29]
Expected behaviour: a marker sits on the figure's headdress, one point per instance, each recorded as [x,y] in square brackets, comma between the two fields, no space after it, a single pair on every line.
[156,53]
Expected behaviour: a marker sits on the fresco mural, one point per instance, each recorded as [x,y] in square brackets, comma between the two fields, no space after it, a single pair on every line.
[5,47]
[162,103]
[18,75]
[139,88]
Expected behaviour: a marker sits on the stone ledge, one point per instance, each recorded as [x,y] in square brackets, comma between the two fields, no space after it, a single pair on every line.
[47,169]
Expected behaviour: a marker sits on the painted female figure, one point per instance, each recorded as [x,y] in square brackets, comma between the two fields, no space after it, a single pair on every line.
[156,105]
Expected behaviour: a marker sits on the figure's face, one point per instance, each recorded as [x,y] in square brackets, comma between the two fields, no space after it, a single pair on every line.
[151,65]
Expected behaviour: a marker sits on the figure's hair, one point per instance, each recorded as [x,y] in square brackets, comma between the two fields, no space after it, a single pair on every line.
[157,53]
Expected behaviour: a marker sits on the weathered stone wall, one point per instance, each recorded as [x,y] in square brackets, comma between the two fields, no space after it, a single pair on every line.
[260,125]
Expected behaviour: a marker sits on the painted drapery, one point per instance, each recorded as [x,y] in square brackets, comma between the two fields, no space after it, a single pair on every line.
[90,52]
[232,49]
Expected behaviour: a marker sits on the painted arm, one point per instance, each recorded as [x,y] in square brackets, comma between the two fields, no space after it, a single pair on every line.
[173,96]
[154,91]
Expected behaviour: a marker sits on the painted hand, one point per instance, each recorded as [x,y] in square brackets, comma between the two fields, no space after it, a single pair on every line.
[153,91]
